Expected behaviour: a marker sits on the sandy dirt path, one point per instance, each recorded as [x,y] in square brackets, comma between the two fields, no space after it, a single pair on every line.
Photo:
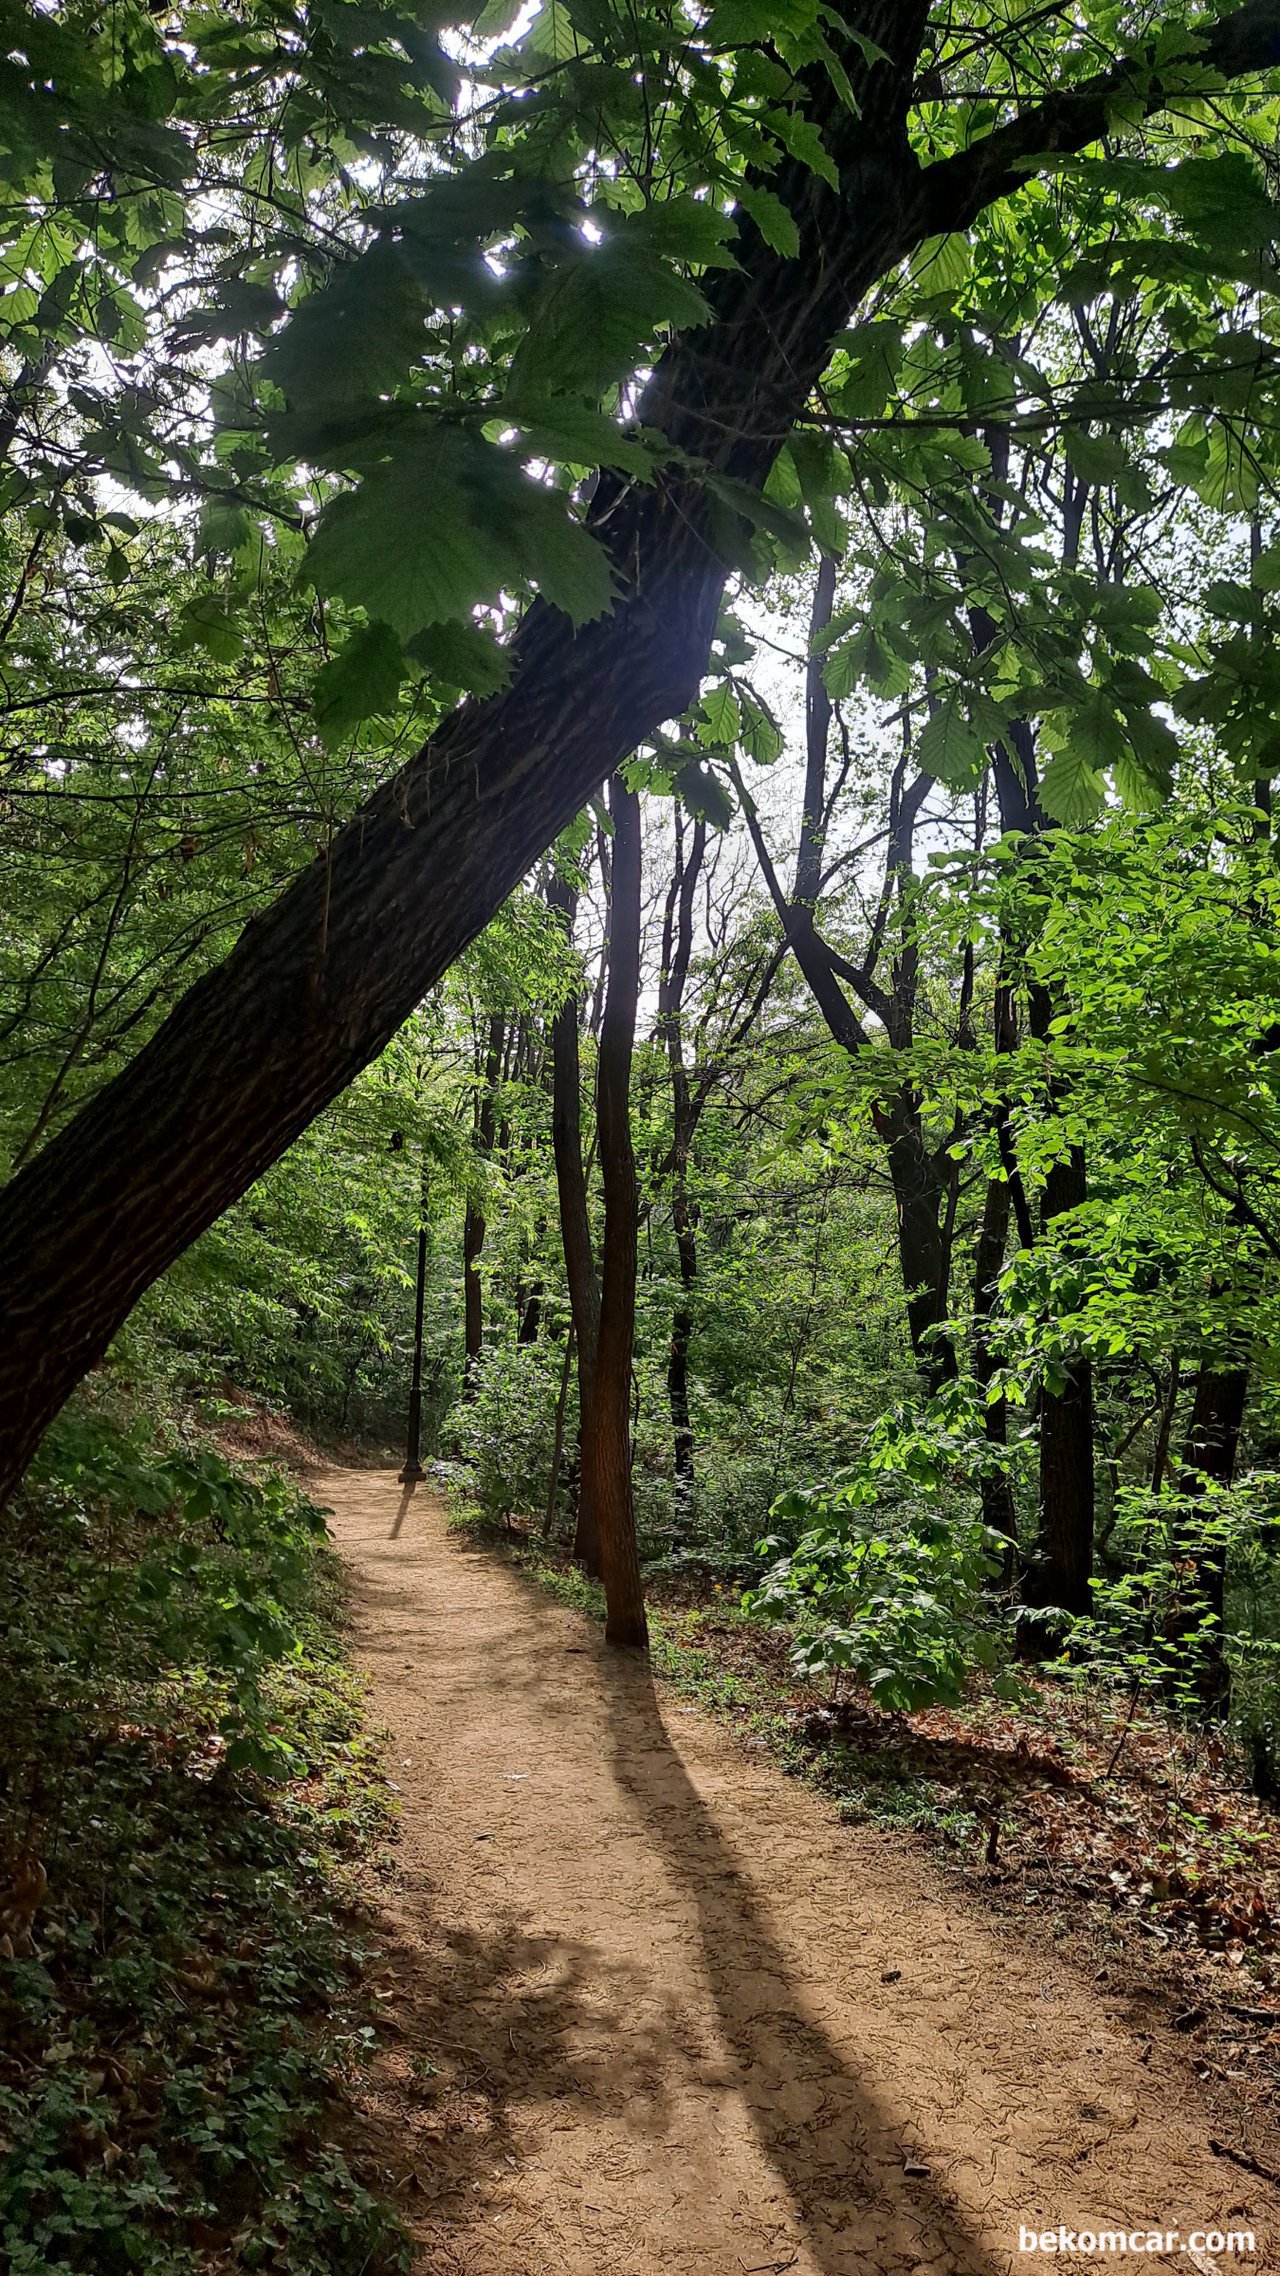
[651,2007]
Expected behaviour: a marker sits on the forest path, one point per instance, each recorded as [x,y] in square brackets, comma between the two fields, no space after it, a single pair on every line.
[651,2008]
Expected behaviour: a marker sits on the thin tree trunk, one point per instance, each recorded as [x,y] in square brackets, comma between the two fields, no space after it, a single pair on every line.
[1059,1575]
[606,1448]
[998,1508]
[557,1450]
[1212,1444]
[575,1223]
[677,951]
[473,1226]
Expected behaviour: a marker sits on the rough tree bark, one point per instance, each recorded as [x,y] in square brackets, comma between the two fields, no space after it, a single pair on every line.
[606,1437]
[317,984]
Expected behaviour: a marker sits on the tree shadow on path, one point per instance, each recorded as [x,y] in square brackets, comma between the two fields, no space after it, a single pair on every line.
[835,2150]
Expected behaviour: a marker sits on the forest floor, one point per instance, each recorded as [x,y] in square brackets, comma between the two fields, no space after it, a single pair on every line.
[649,2005]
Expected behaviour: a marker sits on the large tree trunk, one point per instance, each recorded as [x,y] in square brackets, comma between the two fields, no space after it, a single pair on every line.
[606,1447]
[575,1223]
[317,985]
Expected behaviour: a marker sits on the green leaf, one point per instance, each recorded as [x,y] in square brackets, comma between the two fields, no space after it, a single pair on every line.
[1071,790]
[800,136]
[569,566]
[780,522]
[573,434]
[719,718]
[442,527]
[686,228]
[462,656]
[361,682]
[949,749]
[772,218]
[1097,459]
[865,658]
[552,33]
[704,794]
[942,264]
[207,623]
[354,339]
[595,313]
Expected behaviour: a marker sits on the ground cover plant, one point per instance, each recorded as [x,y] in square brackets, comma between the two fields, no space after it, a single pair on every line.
[188,1800]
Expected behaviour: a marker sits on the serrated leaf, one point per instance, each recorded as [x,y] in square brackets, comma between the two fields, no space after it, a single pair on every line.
[353,339]
[1097,459]
[1071,790]
[462,656]
[775,222]
[719,718]
[759,734]
[552,33]
[207,623]
[704,794]
[942,264]
[360,682]
[949,749]
[865,659]
[686,228]
[573,434]
[800,136]
[590,321]
[781,522]
[570,568]
[442,526]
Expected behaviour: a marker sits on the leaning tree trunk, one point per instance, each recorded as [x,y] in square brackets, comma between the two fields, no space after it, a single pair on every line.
[606,1438]
[318,983]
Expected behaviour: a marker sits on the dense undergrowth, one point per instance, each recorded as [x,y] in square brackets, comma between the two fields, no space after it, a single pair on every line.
[186,1801]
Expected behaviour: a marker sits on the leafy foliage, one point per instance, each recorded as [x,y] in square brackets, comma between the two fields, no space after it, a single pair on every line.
[185,1760]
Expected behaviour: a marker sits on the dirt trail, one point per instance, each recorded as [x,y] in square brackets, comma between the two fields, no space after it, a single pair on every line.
[652,2008]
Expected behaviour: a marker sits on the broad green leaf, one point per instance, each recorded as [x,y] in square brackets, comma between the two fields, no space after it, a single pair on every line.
[355,338]
[800,136]
[1071,790]
[772,218]
[360,682]
[704,794]
[442,527]
[942,264]
[206,622]
[719,718]
[949,749]
[594,314]
[462,656]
